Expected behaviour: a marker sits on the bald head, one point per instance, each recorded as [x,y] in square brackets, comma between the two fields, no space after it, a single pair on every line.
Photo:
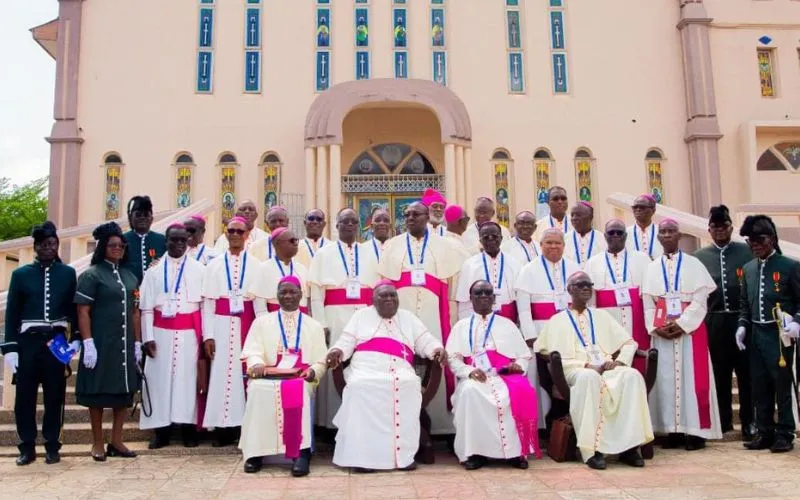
[579,287]
[525,225]
[277,217]
[247,209]
[416,215]
[484,210]
[669,235]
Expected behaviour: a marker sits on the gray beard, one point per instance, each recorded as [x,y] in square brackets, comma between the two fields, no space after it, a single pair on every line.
[435,221]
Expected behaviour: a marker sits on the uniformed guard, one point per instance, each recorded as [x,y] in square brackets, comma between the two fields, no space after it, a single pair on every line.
[144,246]
[40,312]
[725,260]
[770,298]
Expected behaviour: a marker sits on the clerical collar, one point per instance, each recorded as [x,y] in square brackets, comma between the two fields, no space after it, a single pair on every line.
[173,259]
[490,255]
[670,255]
[644,228]
[584,234]
[349,245]
[483,316]
[290,314]
[614,254]
[721,247]
[45,266]
[142,235]
[768,256]
[112,264]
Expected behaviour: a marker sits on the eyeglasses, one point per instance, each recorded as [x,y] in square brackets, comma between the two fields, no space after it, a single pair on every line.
[483,293]
[349,222]
[191,230]
[236,231]
[115,246]
[314,218]
[758,239]
[558,198]
[583,284]
[615,232]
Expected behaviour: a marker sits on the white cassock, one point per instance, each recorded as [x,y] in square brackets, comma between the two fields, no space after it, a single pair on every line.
[264,417]
[452,282]
[261,248]
[472,238]
[548,222]
[173,320]
[484,417]
[257,234]
[537,302]
[501,271]
[225,404]
[580,249]
[609,411]
[684,399]
[521,250]
[265,290]
[379,418]
[307,249]
[440,230]
[625,270]
[644,240]
[442,259]
[329,277]
[202,253]
[376,247]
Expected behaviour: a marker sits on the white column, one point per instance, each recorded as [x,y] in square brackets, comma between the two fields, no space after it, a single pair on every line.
[311,173]
[460,199]
[468,173]
[450,171]
[322,177]
[335,203]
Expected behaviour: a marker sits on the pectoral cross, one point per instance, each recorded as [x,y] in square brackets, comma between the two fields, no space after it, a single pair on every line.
[557,33]
[252,30]
[362,63]
[205,31]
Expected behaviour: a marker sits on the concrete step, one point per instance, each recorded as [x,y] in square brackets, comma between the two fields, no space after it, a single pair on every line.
[73,414]
[69,396]
[140,447]
[77,433]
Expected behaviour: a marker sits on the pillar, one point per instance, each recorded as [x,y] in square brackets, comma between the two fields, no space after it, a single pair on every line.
[460,199]
[322,177]
[467,176]
[335,186]
[450,171]
[311,173]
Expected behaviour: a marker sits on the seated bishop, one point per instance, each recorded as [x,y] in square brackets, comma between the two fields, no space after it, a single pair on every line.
[284,353]
[495,406]
[608,398]
[378,420]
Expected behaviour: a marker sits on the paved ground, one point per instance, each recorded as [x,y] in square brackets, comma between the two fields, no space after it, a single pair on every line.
[723,470]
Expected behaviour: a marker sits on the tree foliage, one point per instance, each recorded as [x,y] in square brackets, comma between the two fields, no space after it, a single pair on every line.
[21,207]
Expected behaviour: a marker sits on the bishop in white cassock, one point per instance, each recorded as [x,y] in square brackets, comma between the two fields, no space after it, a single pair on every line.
[608,398]
[170,302]
[558,218]
[227,315]
[494,266]
[341,280]
[283,263]
[684,399]
[484,212]
[436,204]
[583,241]
[522,246]
[542,292]
[378,421]
[380,228]
[262,247]
[199,251]
[618,275]
[494,405]
[278,418]
[248,211]
[642,235]
[314,223]
[457,221]
[419,263]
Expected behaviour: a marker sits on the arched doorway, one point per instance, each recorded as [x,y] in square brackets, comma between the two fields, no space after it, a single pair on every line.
[389,176]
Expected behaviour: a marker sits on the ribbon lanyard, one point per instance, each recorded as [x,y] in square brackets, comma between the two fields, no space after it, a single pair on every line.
[180,275]
[566,223]
[650,243]
[502,267]
[280,267]
[200,253]
[311,250]
[624,269]
[344,261]
[283,332]
[578,249]
[269,247]
[422,254]
[578,330]
[677,273]
[549,278]
[486,335]
[228,272]
[524,248]
[375,248]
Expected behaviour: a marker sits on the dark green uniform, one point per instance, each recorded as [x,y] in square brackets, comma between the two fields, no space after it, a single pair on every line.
[110,291]
[765,283]
[143,250]
[39,308]
[725,265]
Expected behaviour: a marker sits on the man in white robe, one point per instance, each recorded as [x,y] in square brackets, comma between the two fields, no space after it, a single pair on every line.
[436,204]
[380,227]
[494,406]
[314,223]
[558,217]
[494,266]
[484,212]
[617,275]
[457,220]
[684,399]
[541,293]
[583,241]
[522,246]
[419,263]
[643,237]
[341,279]
[608,398]
[262,248]
[248,211]
[227,315]
[198,250]
[378,420]
[170,302]
[283,263]
[278,418]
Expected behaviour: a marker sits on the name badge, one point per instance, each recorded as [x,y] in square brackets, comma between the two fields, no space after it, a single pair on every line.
[353,289]
[418,277]
[236,303]
[596,357]
[481,362]
[288,361]
[498,294]
[623,295]
[562,301]
[674,308]
[170,308]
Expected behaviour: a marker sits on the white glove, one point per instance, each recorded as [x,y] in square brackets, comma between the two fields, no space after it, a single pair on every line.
[89,354]
[793,330]
[11,359]
[75,345]
[740,333]
[137,352]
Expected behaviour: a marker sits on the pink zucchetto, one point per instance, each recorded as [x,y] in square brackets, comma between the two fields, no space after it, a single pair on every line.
[431,196]
[648,196]
[294,280]
[176,225]
[277,232]
[384,282]
[198,218]
[453,213]
[668,220]
[586,204]
[238,220]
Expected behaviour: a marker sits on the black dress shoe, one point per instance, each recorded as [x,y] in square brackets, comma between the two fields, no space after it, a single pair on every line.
[761,442]
[632,457]
[301,464]
[158,441]
[410,467]
[673,440]
[113,451]
[52,457]
[223,437]
[189,436]
[363,470]
[26,457]
[781,445]
[474,462]
[748,433]
[695,443]
[597,461]
[518,462]
[254,464]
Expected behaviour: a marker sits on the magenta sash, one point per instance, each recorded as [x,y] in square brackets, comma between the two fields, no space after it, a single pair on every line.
[702,382]
[338,297]
[292,406]
[437,287]
[543,310]
[524,404]
[606,298]
[509,311]
[275,307]
[385,345]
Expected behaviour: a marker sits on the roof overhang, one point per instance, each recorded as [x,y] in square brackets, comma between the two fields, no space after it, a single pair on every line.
[46,35]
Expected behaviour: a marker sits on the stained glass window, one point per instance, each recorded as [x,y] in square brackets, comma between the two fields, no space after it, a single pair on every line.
[362,59]
[583,172]
[399,31]
[184,165]
[438,31]
[516,55]
[227,169]
[437,27]
[205,48]
[362,27]
[558,47]
[323,27]
[271,170]
[766,72]
[323,70]
[654,162]
[113,193]
[501,171]
[252,46]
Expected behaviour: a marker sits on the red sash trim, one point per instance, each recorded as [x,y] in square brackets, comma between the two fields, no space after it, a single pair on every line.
[606,299]
[338,297]
[509,311]
[541,311]
[385,345]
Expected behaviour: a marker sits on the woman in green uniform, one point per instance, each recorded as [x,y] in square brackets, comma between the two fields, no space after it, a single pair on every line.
[108,319]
